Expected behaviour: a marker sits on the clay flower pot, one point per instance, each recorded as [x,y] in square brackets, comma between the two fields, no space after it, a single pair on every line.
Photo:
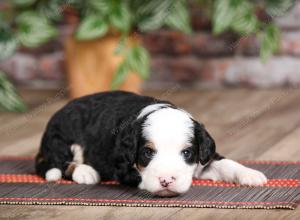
[91,66]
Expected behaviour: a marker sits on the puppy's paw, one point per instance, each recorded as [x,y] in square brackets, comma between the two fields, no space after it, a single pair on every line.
[85,174]
[53,175]
[250,177]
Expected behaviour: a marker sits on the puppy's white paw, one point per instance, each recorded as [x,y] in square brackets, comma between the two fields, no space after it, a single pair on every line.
[250,177]
[85,174]
[53,175]
[232,172]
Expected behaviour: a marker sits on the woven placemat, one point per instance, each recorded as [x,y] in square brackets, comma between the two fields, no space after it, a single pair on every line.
[19,185]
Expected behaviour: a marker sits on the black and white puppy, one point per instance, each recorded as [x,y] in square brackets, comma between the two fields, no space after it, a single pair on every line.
[136,140]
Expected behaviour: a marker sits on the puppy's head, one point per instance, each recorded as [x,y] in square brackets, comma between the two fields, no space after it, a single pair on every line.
[171,146]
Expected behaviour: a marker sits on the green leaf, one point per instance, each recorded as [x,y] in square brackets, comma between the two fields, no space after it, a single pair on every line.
[120,18]
[237,15]
[8,43]
[101,7]
[52,9]
[151,7]
[22,3]
[120,75]
[34,29]
[91,27]
[178,17]
[7,48]
[245,21]
[9,99]
[121,44]
[270,40]
[277,8]
[138,61]
[225,13]
[151,15]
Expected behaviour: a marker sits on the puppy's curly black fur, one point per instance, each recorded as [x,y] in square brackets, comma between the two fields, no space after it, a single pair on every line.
[105,125]
[107,128]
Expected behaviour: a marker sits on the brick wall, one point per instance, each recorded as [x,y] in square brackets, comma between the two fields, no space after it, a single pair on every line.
[224,60]
[191,60]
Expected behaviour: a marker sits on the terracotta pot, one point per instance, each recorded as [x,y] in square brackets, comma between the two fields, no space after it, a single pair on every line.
[91,66]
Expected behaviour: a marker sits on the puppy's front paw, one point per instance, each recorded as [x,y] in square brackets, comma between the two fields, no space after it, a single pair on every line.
[53,175]
[250,177]
[85,174]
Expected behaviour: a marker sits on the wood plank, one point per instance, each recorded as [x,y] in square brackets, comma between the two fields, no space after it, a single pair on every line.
[130,213]
[33,99]
[257,104]
[221,113]
[262,132]
[221,214]
[88,212]
[27,125]
[27,146]
[178,96]
[287,148]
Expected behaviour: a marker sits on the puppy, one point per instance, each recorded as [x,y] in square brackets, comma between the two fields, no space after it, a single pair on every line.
[136,140]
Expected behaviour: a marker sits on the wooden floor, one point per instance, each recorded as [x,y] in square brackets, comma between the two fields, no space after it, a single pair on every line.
[246,124]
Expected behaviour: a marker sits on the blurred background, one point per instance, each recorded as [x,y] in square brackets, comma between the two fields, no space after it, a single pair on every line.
[233,64]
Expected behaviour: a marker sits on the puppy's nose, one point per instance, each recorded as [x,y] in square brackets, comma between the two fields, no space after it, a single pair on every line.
[166,181]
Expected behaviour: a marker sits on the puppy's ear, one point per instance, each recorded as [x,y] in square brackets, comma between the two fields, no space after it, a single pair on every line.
[125,154]
[127,144]
[205,143]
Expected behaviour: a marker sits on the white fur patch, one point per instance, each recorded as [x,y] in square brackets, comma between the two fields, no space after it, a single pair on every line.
[77,154]
[53,174]
[85,174]
[151,108]
[233,172]
[169,128]
[170,131]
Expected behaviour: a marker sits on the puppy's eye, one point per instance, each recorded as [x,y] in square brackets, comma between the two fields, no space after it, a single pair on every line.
[187,153]
[148,152]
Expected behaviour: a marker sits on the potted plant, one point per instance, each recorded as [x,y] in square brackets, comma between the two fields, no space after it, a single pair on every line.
[104,50]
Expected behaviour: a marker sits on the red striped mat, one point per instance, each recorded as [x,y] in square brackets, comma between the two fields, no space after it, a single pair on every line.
[19,185]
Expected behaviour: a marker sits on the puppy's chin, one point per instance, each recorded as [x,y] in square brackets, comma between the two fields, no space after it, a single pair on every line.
[166,193]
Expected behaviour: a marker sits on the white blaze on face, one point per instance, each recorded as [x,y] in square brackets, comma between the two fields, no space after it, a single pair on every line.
[170,130]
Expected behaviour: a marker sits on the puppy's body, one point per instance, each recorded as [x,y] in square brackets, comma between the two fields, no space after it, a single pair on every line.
[137,140]
[96,123]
